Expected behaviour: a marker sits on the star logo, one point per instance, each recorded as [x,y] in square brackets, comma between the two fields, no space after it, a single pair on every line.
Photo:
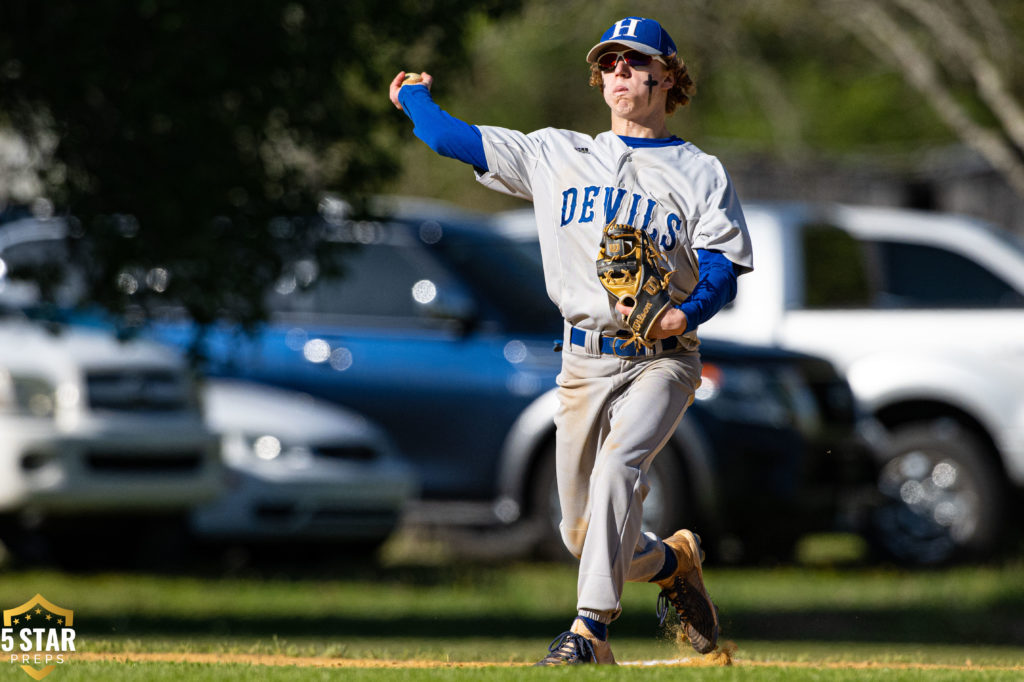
[41,643]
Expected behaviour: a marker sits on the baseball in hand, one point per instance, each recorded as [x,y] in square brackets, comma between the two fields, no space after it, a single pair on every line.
[412,78]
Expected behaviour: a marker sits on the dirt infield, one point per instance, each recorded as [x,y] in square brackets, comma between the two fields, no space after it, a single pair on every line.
[717,658]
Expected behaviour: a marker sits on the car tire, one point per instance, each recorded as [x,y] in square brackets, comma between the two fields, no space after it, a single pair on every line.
[664,508]
[942,499]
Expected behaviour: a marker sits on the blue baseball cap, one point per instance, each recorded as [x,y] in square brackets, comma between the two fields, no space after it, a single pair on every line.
[643,35]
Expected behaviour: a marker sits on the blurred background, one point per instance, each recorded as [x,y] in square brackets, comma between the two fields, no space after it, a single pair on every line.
[219,318]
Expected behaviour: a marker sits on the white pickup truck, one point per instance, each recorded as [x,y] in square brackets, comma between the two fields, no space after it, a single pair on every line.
[101,440]
[925,314]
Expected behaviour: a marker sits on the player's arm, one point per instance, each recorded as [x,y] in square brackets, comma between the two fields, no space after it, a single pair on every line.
[441,131]
[716,286]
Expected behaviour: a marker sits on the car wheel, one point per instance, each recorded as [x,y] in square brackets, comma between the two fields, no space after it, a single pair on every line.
[664,508]
[942,498]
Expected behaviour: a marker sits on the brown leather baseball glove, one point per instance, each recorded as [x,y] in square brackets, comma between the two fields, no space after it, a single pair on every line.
[632,270]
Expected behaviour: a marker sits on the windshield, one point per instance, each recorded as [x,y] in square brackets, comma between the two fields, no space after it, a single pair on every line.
[508,275]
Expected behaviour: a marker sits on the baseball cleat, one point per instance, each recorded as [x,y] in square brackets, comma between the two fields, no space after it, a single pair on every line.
[577,646]
[684,590]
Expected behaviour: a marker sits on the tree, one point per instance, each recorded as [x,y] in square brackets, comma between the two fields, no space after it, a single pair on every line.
[187,141]
[960,55]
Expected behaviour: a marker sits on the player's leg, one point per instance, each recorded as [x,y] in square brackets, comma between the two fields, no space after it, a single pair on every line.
[681,579]
[643,418]
[586,385]
[643,415]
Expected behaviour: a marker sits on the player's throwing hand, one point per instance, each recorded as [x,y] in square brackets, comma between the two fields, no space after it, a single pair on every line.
[398,82]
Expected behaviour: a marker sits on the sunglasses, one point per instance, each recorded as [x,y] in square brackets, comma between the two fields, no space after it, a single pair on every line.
[608,60]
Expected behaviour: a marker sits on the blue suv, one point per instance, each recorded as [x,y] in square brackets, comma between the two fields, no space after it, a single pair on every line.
[441,332]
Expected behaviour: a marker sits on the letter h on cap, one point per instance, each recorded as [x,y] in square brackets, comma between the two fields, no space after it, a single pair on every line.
[626,27]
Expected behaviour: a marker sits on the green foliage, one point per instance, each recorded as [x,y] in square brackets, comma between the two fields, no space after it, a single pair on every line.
[186,127]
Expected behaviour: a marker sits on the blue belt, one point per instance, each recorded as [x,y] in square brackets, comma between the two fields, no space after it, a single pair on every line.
[613,345]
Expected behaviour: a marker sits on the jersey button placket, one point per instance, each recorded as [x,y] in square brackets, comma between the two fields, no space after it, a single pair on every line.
[625,177]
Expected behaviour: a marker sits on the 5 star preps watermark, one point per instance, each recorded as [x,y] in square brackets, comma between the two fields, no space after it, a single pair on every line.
[38,635]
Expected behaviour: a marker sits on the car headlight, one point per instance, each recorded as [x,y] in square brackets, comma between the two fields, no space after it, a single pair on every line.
[776,397]
[240,447]
[269,448]
[27,395]
[266,447]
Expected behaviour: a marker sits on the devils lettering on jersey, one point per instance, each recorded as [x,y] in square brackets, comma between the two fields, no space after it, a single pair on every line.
[578,206]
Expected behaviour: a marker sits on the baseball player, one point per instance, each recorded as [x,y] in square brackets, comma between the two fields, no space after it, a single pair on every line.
[619,402]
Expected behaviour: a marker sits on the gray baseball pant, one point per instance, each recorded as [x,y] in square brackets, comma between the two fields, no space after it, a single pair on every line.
[614,415]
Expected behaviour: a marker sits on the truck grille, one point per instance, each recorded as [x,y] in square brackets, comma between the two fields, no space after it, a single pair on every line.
[136,390]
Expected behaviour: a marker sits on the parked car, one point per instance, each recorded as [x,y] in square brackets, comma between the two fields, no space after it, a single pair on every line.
[442,333]
[88,423]
[925,314]
[300,470]
[96,435]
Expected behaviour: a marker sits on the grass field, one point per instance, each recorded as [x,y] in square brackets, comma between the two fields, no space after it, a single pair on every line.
[406,620]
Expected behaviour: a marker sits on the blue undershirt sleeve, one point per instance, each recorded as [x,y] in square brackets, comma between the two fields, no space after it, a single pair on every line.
[442,132]
[716,286]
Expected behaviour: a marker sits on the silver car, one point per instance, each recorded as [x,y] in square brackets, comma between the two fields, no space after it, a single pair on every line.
[300,469]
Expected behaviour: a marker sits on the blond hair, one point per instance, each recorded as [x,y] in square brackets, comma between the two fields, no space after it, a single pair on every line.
[681,92]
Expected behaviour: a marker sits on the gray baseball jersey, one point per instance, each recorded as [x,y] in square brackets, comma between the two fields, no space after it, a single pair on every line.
[578,184]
